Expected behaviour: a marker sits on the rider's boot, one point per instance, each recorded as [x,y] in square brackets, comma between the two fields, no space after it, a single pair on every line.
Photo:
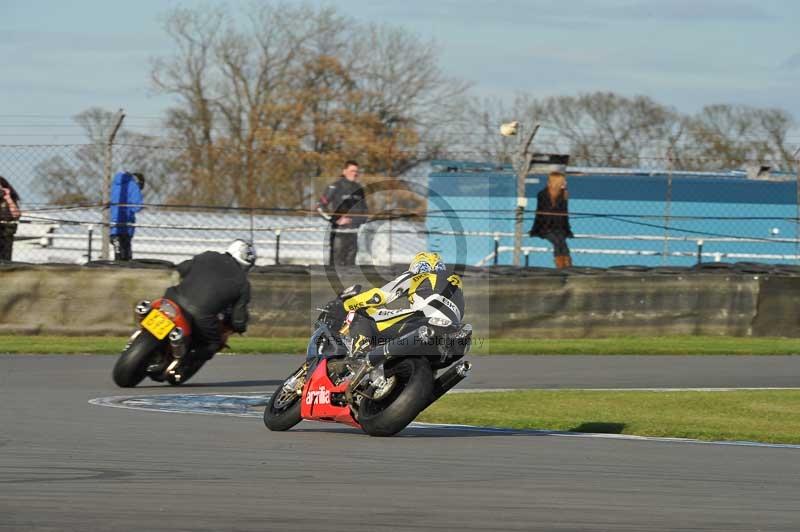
[190,364]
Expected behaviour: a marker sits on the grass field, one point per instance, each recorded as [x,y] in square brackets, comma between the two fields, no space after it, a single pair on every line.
[674,345]
[744,415]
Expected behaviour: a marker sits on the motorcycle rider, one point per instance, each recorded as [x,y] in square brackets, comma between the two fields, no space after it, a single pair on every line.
[434,296]
[212,283]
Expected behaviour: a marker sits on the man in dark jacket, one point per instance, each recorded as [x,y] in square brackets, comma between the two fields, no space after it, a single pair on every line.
[344,206]
[213,283]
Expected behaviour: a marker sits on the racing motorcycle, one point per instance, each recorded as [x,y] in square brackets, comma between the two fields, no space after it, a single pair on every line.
[380,391]
[156,348]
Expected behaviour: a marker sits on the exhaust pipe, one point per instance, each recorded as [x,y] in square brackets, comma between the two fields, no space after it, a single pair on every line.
[142,308]
[176,342]
[448,380]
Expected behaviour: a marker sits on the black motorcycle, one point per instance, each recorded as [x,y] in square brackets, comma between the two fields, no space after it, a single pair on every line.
[381,390]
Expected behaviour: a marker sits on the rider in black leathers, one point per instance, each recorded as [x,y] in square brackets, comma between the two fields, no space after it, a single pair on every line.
[213,283]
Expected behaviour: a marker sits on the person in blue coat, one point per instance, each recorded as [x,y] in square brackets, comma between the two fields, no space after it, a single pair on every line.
[126,201]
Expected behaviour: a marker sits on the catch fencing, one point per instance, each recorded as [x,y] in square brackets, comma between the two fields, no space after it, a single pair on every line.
[653,216]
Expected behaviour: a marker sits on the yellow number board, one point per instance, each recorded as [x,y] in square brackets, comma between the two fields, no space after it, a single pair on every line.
[158,324]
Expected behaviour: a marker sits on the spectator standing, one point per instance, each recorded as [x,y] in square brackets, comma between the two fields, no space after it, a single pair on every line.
[552,218]
[343,204]
[126,201]
[9,214]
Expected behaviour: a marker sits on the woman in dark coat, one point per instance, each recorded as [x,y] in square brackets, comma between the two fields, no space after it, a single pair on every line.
[9,214]
[552,218]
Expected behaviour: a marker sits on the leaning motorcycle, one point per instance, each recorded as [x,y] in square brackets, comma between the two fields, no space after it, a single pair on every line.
[155,349]
[381,391]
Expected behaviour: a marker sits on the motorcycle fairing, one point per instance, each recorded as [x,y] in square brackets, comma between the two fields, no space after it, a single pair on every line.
[179,318]
[316,402]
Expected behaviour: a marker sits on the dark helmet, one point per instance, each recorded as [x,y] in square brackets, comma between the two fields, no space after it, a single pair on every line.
[139,177]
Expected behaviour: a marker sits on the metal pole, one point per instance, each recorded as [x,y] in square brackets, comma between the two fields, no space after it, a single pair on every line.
[524,162]
[496,250]
[527,259]
[797,214]
[120,116]
[699,252]
[252,227]
[667,209]
[89,245]
[277,246]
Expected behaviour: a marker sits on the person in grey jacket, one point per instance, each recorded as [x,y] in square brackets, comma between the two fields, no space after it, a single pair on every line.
[343,204]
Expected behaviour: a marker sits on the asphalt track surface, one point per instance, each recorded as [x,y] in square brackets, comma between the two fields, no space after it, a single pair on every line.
[66,464]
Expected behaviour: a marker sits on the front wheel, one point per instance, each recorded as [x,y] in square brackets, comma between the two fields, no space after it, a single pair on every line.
[283,410]
[409,396]
[131,366]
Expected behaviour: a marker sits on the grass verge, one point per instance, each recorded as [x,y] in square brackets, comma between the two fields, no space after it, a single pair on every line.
[771,416]
[673,345]
[113,344]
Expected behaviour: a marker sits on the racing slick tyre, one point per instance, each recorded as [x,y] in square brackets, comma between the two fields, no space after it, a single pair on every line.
[131,366]
[283,409]
[408,397]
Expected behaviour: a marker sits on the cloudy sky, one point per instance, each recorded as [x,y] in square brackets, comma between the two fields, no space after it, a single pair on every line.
[60,58]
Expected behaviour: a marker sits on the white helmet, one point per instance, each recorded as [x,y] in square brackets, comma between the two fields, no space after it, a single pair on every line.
[243,252]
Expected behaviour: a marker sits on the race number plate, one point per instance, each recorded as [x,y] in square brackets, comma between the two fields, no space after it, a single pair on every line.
[158,324]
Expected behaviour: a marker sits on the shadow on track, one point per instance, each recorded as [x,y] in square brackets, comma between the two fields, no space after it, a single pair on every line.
[599,427]
[224,384]
[231,384]
[430,432]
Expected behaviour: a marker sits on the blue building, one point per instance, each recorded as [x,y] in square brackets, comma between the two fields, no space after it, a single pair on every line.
[619,217]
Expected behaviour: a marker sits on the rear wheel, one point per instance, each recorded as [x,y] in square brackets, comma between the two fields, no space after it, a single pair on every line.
[131,366]
[409,395]
[283,410]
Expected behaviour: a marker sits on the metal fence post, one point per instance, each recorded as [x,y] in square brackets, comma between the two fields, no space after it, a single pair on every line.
[120,116]
[277,246]
[89,245]
[667,209]
[797,214]
[699,252]
[522,163]
[496,250]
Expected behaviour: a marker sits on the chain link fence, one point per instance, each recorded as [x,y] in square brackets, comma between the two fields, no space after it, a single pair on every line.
[654,216]
[463,207]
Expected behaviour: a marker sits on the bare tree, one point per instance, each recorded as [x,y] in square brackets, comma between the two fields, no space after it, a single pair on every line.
[606,129]
[723,137]
[288,96]
[477,127]
[78,179]
[596,129]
